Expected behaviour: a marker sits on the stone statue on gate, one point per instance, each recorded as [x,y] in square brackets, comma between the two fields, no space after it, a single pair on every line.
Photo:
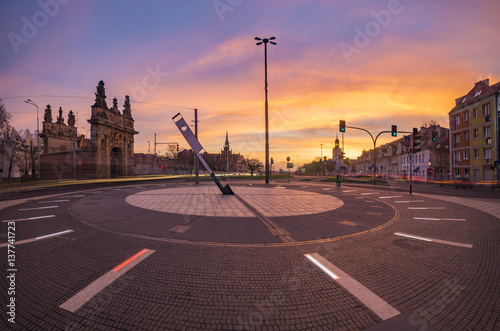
[100,96]
[47,117]
[60,118]
[71,118]
[126,107]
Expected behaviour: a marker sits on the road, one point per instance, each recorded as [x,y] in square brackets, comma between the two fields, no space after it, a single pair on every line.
[170,255]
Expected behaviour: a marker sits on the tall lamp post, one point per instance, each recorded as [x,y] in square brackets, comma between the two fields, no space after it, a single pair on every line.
[37,138]
[265,41]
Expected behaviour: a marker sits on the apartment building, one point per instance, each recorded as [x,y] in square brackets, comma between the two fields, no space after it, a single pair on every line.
[474,134]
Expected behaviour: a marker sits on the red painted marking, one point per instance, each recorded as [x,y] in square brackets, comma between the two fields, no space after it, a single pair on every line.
[130,260]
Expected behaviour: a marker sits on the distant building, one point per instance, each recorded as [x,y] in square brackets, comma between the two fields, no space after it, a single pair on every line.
[108,153]
[337,159]
[474,136]
[393,159]
[20,154]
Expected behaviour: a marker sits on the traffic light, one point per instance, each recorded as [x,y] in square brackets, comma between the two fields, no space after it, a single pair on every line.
[272,161]
[177,147]
[416,141]
[495,165]
[433,135]
[342,126]
[394,131]
[492,166]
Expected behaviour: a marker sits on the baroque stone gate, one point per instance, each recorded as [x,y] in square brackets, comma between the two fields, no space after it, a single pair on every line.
[112,136]
[109,153]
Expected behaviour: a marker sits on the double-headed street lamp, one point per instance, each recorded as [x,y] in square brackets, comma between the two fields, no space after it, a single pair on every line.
[265,41]
[37,138]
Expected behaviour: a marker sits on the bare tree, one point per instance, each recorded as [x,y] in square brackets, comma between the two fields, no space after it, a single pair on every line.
[4,125]
[253,164]
[432,122]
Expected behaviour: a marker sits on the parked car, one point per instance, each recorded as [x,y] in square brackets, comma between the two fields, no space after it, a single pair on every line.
[462,182]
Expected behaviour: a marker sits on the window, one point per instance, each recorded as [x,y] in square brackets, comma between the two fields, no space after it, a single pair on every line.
[456,157]
[476,153]
[446,159]
[457,172]
[475,133]
[487,153]
[466,173]
[487,132]
[486,110]
[466,154]
[456,122]
[456,138]
[478,93]
[466,116]
[474,113]
[466,135]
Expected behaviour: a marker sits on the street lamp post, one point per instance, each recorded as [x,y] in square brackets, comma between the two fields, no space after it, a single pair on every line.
[265,41]
[37,138]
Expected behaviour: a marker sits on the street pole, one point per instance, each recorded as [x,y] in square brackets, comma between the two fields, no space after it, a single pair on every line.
[265,41]
[196,163]
[321,163]
[74,152]
[411,169]
[155,156]
[37,138]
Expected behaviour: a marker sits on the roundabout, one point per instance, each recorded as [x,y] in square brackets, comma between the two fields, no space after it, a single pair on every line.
[254,215]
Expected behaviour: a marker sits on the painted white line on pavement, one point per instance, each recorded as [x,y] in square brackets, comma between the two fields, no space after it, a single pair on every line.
[25,241]
[390,197]
[37,208]
[409,201]
[95,192]
[327,188]
[451,243]
[78,196]
[439,219]
[99,284]
[362,293]
[367,193]
[347,191]
[29,218]
[65,200]
[426,208]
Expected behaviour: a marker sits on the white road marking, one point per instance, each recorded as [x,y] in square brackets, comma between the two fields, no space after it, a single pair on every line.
[391,197]
[451,243]
[37,208]
[367,193]
[362,293]
[426,208]
[409,201]
[25,241]
[65,200]
[438,219]
[29,218]
[99,284]
[78,196]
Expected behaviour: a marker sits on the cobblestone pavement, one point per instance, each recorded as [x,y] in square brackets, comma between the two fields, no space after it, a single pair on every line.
[411,262]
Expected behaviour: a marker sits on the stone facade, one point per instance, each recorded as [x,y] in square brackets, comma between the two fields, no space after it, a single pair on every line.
[112,136]
[108,153]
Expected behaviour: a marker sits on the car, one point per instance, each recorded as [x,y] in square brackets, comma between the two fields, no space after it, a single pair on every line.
[462,182]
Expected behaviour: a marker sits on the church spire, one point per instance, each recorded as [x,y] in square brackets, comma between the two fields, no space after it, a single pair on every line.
[227,140]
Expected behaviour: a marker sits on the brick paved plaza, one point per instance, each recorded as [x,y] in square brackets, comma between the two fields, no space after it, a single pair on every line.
[308,256]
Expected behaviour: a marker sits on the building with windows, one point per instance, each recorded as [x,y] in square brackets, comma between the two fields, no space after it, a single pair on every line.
[474,134]
[393,159]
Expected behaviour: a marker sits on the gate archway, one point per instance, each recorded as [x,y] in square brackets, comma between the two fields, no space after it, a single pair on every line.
[116,162]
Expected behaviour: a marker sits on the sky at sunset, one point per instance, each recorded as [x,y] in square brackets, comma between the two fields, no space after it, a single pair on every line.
[372,63]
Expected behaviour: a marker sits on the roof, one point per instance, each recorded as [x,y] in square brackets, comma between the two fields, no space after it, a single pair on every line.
[481,90]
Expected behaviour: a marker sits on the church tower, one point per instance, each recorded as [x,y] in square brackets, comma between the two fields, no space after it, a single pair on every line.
[337,155]
[226,154]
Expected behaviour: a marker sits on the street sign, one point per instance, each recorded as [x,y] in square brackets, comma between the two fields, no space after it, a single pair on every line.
[325,162]
[407,141]
[288,159]
[289,165]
